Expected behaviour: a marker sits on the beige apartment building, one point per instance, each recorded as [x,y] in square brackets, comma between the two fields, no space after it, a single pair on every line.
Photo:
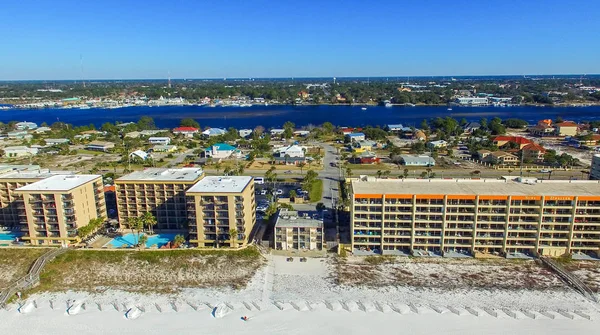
[217,205]
[158,191]
[475,217]
[298,231]
[55,207]
[11,178]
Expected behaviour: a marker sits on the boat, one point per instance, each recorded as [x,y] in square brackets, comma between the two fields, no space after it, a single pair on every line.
[449,108]
[388,104]
[364,108]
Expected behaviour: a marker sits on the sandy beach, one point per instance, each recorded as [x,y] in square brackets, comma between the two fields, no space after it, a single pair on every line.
[294,298]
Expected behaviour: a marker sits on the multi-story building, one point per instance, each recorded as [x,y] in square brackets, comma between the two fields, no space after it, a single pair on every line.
[217,206]
[56,206]
[299,231]
[595,168]
[158,191]
[476,217]
[11,178]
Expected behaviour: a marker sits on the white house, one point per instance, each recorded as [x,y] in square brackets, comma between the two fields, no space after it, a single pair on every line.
[186,131]
[20,151]
[437,144]
[291,151]
[245,132]
[42,130]
[25,125]
[55,141]
[277,131]
[220,150]
[139,154]
[301,132]
[210,132]
[17,134]
[160,140]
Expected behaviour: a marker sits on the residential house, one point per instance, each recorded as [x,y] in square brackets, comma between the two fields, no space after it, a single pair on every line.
[139,154]
[42,130]
[152,132]
[133,134]
[211,132]
[502,158]
[543,128]
[289,160]
[277,131]
[160,140]
[164,148]
[301,133]
[100,146]
[482,154]
[244,132]
[186,131]
[57,141]
[291,151]
[355,137]
[437,144]
[518,141]
[25,125]
[411,160]
[471,127]
[220,150]
[533,152]
[18,134]
[82,137]
[363,146]
[567,128]
[20,151]
[396,128]
[368,157]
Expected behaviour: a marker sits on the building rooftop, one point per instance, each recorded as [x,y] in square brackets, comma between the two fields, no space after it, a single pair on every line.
[166,175]
[11,168]
[220,184]
[60,182]
[478,187]
[33,174]
[287,218]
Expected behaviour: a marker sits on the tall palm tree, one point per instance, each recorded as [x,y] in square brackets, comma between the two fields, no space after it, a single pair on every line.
[149,221]
[136,225]
[233,236]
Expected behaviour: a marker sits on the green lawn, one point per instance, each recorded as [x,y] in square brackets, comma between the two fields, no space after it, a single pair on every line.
[316,190]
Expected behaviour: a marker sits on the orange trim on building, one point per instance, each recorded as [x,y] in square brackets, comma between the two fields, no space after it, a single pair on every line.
[525,197]
[461,197]
[493,197]
[589,198]
[430,196]
[559,198]
[398,196]
[368,196]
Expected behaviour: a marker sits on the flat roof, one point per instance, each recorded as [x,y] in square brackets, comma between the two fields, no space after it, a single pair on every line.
[11,168]
[477,187]
[220,184]
[60,182]
[308,219]
[162,174]
[33,174]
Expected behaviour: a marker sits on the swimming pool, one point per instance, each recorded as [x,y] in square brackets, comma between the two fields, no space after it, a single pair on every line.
[9,235]
[131,239]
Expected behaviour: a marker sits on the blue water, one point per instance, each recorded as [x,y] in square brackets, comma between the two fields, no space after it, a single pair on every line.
[131,239]
[276,116]
[9,236]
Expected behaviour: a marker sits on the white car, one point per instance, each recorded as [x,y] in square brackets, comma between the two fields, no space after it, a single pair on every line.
[263,192]
[279,192]
[545,171]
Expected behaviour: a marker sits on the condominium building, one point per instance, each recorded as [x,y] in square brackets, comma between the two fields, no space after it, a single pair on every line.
[158,191]
[298,231]
[595,168]
[218,205]
[11,178]
[477,217]
[56,206]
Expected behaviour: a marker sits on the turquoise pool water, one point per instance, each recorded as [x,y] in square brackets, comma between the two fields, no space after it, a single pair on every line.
[131,239]
[9,236]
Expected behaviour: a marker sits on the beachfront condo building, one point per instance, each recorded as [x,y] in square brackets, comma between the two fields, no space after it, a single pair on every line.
[476,217]
[55,207]
[218,207]
[298,231]
[11,178]
[158,191]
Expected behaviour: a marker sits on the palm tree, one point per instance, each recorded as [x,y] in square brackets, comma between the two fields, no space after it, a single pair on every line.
[142,241]
[349,172]
[136,225]
[149,221]
[379,173]
[293,194]
[428,172]
[179,240]
[509,171]
[301,165]
[387,173]
[218,167]
[405,173]
[233,236]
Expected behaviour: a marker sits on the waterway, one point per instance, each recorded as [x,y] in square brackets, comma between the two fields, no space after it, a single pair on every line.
[277,115]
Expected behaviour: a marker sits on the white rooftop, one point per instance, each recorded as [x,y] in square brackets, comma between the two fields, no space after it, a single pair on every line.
[60,182]
[160,174]
[33,174]
[287,218]
[220,184]
[477,187]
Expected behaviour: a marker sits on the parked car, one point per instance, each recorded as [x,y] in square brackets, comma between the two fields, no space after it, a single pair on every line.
[279,191]
[263,192]
[259,180]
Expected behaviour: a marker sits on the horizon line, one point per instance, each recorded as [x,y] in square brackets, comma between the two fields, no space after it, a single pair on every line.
[524,76]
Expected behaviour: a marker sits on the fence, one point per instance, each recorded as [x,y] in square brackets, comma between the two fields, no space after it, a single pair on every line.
[569,278]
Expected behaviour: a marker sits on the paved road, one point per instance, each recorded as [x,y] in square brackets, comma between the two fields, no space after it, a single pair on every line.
[330,176]
[180,158]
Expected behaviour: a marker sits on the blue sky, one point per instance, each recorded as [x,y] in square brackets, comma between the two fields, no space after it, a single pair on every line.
[200,39]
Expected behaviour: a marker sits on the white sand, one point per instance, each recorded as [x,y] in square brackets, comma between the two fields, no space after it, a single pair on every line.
[299,298]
